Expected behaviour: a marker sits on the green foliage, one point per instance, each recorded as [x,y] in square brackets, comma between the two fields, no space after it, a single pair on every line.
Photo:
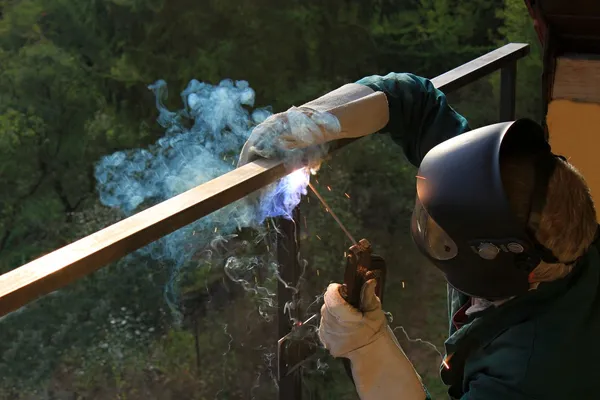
[73,87]
[518,28]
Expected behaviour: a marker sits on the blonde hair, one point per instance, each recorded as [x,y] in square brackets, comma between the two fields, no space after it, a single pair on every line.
[568,220]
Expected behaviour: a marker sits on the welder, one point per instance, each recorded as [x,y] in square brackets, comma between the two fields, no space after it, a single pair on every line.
[511,225]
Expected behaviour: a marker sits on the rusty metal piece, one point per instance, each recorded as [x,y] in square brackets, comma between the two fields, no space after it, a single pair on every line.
[290,272]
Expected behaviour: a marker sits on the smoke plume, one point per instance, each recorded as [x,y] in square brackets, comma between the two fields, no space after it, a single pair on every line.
[202,141]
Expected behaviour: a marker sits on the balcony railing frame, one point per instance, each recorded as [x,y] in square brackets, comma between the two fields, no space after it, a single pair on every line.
[78,259]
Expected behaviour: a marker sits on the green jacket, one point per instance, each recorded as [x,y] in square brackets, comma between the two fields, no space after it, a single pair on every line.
[542,345]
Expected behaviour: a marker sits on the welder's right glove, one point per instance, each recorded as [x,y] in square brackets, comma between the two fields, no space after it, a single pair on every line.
[380,368]
[350,111]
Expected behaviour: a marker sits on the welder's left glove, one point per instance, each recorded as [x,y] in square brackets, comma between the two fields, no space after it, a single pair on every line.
[296,128]
[350,111]
[343,328]
[380,368]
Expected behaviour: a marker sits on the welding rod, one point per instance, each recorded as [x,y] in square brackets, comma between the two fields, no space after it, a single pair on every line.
[322,200]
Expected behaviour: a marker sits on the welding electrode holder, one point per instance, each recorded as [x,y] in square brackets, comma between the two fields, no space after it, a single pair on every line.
[301,345]
[361,266]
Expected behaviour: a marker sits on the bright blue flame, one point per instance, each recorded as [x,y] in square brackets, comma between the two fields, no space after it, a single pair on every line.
[281,200]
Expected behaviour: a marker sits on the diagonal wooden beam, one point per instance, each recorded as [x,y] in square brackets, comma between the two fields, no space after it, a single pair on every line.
[76,260]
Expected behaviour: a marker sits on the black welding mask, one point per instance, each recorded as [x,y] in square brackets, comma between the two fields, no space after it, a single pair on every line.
[463,221]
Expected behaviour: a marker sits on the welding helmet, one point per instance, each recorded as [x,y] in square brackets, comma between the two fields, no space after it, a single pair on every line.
[463,221]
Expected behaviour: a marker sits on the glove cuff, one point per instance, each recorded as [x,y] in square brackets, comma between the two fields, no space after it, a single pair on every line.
[381,370]
[360,110]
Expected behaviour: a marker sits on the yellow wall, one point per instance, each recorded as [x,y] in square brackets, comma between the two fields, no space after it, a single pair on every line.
[574,129]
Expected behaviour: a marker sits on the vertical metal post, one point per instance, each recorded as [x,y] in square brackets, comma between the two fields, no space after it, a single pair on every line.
[508,91]
[290,387]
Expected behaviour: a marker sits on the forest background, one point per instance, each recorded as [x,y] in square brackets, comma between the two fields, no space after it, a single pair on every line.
[74,78]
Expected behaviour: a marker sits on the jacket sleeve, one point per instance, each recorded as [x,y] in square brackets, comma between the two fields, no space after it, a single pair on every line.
[484,387]
[420,117]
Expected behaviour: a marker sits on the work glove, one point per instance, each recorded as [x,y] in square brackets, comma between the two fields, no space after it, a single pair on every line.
[380,368]
[350,111]
[343,328]
[282,133]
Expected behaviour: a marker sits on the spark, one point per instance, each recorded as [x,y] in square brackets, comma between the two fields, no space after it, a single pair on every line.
[332,213]
[446,364]
[347,195]
[421,177]
[402,284]
[318,237]
[329,188]
[216,229]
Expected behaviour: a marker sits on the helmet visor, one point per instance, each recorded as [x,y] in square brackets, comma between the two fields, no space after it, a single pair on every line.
[430,237]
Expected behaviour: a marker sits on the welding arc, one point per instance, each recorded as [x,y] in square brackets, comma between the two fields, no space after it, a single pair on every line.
[322,200]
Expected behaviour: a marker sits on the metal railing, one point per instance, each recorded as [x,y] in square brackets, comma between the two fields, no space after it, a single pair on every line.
[76,260]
